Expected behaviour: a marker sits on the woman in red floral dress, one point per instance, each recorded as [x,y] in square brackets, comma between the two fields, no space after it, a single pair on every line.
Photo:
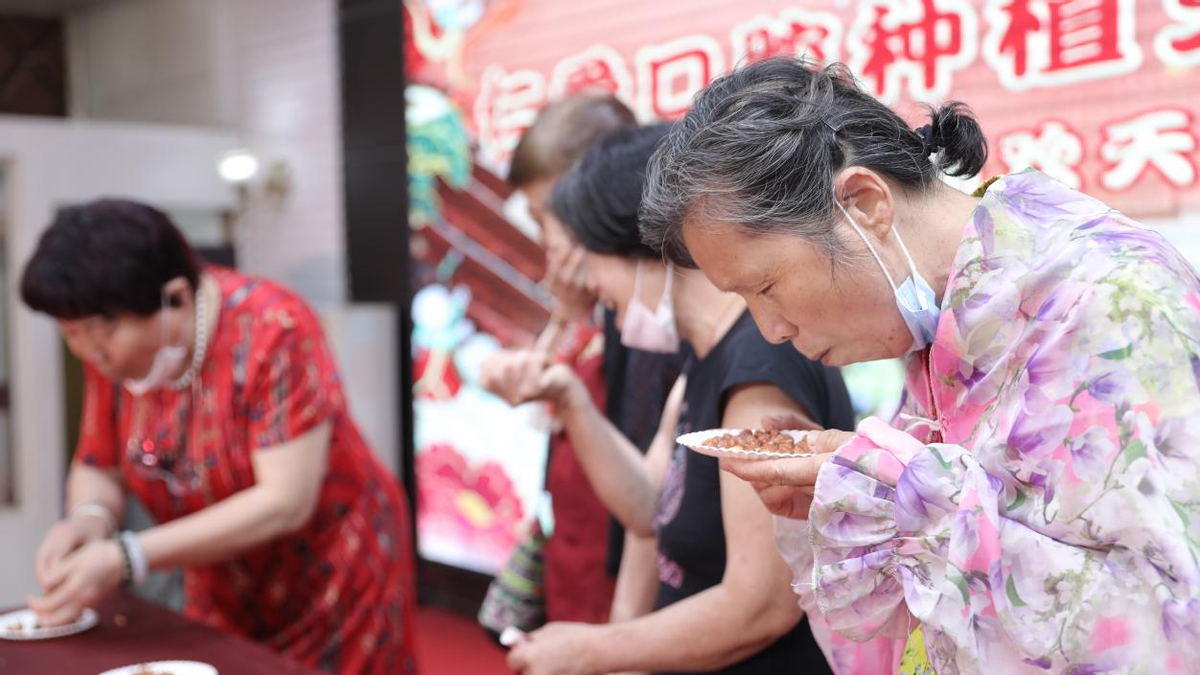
[212,397]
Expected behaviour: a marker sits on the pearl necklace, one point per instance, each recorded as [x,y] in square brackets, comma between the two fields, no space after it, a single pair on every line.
[201,345]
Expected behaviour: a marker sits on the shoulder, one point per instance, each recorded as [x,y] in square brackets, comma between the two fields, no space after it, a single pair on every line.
[268,306]
[746,358]
[745,352]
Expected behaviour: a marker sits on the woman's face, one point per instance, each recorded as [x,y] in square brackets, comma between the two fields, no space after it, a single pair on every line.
[835,314]
[614,279]
[123,347]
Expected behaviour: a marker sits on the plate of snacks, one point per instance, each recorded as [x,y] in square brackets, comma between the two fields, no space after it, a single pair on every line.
[748,443]
[24,625]
[165,668]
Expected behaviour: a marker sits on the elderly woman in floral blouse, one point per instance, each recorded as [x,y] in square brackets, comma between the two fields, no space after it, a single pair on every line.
[1035,508]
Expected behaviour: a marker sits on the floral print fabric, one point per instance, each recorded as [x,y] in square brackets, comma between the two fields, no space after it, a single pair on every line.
[1047,518]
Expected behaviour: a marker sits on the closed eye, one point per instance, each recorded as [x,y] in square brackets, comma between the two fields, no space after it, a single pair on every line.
[766,289]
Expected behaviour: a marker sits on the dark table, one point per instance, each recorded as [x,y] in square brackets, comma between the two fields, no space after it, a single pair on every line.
[132,631]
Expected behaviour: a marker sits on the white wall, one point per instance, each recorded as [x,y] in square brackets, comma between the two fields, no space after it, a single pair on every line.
[146,61]
[48,163]
[363,339]
[267,69]
[281,65]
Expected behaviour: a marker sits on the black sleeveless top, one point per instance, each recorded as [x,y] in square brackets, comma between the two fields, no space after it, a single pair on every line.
[691,534]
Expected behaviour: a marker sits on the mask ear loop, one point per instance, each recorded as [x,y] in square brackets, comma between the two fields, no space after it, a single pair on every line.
[665,301]
[861,235]
[637,282]
[912,266]
[164,338]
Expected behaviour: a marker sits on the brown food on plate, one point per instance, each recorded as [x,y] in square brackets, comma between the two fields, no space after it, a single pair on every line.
[15,627]
[147,670]
[760,441]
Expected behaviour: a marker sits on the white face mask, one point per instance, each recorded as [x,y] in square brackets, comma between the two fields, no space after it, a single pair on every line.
[914,298]
[168,360]
[651,331]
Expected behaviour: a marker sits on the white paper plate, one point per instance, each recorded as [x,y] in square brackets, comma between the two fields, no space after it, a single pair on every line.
[698,441]
[165,668]
[31,631]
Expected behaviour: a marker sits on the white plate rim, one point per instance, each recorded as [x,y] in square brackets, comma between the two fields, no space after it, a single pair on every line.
[696,442]
[86,621]
[191,668]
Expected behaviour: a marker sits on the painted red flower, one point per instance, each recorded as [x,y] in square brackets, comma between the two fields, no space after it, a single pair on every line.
[476,509]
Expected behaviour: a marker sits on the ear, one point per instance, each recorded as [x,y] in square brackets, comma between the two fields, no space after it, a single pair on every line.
[178,292]
[867,198]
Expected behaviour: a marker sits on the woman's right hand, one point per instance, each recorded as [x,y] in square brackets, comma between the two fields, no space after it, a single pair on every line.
[523,376]
[567,280]
[64,538]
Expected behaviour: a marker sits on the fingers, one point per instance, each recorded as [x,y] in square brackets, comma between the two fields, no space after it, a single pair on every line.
[786,501]
[553,384]
[60,606]
[548,341]
[555,260]
[491,374]
[47,564]
[518,657]
[575,267]
[64,614]
[514,375]
[47,557]
[792,471]
[829,440]
[793,421]
[54,576]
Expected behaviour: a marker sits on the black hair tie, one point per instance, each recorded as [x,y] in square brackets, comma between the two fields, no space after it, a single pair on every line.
[928,141]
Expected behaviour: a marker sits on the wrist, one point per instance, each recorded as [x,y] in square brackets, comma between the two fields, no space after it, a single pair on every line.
[599,653]
[94,520]
[573,395]
[133,558]
[114,559]
[93,529]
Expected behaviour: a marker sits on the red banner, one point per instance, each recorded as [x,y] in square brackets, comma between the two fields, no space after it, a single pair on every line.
[1099,93]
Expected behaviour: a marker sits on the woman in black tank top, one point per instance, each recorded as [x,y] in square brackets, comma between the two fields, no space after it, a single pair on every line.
[717,594]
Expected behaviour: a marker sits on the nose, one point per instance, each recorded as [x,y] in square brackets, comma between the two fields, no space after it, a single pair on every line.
[773,327]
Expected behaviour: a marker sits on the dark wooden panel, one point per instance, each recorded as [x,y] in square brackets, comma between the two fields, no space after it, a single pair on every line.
[371,45]
[33,66]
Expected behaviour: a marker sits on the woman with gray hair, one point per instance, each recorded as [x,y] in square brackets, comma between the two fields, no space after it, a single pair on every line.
[1034,508]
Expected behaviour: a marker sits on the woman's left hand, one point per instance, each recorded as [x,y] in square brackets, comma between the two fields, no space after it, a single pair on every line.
[556,649]
[786,486]
[89,574]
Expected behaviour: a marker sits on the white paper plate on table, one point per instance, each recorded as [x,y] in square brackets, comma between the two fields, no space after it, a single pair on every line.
[23,625]
[165,668]
[698,441]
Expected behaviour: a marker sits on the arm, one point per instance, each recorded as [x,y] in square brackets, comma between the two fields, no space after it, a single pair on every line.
[86,485]
[1067,533]
[288,480]
[288,484]
[102,487]
[689,635]
[93,483]
[619,474]
[637,581]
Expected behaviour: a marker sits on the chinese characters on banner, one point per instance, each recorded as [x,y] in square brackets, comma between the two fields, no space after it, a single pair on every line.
[1024,66]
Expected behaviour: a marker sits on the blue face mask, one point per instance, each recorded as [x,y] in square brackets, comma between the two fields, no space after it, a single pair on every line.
[914,298]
